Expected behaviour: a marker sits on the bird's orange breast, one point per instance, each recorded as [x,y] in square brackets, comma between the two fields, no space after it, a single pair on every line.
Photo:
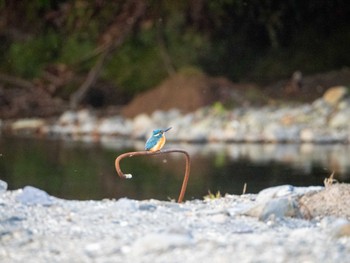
[159,144]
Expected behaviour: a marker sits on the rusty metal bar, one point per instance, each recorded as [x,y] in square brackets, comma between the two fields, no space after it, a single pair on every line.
[143,153]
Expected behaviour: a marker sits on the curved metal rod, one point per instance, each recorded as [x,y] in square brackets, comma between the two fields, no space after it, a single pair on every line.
[140,153]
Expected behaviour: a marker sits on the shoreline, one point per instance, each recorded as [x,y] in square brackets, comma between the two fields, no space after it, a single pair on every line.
[326,120]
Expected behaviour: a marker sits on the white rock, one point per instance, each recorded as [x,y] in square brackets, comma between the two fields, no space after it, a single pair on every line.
[127,204]
[68,117]
[34,196]
[115,125]
[307,135]
[160,242]
[27,124]
[85,115]
[280,207]
[341,119]
[275,192]
[142,126]
[87,127]
[3,186]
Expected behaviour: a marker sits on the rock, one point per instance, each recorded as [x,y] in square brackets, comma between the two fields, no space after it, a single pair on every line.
[142,126]
[147,207]
[68,117]
[160,242]
[87,127]
[34,196]
[319,122]
[323,135]
[307,135]
[335,94]
[219,218]
[275,192]
[274,132]
[280,201]
[280,207]
[340,120]
[114,126]
[342,230]
[276,208]
[160,118]
[84,116]
[337,227]
[3,186]
[332,200]
[127,204]
[27,125]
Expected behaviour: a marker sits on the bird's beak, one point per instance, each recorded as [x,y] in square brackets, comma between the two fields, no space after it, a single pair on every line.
[167,129]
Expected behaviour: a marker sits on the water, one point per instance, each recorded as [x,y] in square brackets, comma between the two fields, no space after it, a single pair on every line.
[85,170]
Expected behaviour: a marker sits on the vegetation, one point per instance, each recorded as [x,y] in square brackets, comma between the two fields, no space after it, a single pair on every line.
[135,44]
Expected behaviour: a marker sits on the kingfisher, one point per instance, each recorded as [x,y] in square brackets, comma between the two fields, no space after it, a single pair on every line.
[157,140]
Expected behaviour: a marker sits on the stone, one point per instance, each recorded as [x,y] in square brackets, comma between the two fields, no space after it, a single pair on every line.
[87,127]
[68,117]
[307,135]
[27,124]
[341,119]
[274,208]
[127,204]
[160,242]
[114,126]
[335,94]
[275,192]
[280,207]
[85,115]
[274,132]
[142,126]
[342,230]
[3,186]
[34,196]
[332,200]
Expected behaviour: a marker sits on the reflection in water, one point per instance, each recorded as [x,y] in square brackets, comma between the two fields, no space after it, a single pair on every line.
[85,170]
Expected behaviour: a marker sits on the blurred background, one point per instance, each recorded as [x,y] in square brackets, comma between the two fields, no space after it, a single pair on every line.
[113,50]
[132,57]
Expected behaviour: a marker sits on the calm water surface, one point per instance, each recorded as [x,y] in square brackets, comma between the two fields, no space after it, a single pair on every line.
[85,170]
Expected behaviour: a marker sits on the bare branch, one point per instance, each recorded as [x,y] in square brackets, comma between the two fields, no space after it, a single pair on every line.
[16,81]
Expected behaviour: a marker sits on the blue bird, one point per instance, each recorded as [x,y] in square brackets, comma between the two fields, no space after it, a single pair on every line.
[157,140]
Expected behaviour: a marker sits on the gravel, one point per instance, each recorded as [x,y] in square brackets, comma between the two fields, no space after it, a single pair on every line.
[36,227]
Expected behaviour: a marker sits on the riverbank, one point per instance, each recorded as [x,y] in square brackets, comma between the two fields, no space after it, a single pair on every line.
[280,224]
[326,120]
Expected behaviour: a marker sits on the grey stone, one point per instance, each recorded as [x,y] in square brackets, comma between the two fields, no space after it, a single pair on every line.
[3,186]
[275,192]
[160,242]
[279,208]
[34,196]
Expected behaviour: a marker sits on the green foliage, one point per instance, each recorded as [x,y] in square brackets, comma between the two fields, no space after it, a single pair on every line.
[27,58]
[74,49]
[140,64]
[135,67]
[211,196]
[259,40]
[309,53]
